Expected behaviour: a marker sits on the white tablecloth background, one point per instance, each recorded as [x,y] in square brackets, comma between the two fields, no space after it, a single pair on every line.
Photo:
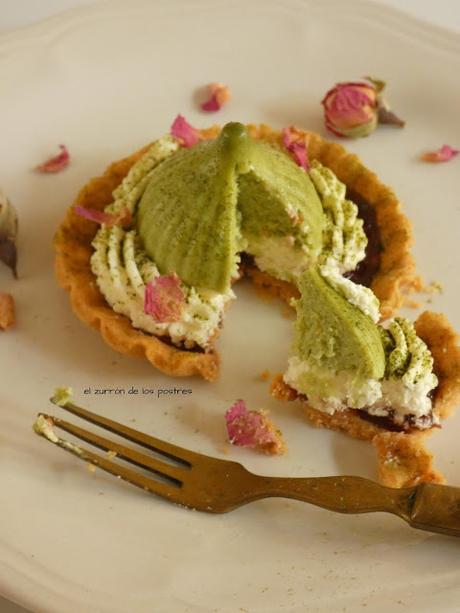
[16,14]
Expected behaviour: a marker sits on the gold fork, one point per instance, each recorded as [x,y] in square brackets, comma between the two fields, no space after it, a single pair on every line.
[209,484]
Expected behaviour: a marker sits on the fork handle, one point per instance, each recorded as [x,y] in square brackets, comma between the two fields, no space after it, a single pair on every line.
[428,506]
[436,508]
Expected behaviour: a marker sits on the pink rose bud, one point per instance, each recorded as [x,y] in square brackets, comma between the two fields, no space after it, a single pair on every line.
[351,109]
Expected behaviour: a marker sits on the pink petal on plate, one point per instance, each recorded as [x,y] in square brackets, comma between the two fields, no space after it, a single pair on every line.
[123,218]
[296,143]
[219,94]
[164,298]
[252,429]
[56,163]
[444,154]
[184,132]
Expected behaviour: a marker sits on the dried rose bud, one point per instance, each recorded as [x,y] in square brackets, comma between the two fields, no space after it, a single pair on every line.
[355,109]
[350,109]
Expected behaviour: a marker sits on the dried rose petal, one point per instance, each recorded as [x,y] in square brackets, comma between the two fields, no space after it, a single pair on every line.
[219,94]
[164,298]
[7,316]
[8,233]
[56,163]
[252,429]
[184,132]
[122,218]
[296,142]
[444,154]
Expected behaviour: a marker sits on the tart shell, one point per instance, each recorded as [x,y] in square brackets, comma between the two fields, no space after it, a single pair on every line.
[403,459]
[73,252]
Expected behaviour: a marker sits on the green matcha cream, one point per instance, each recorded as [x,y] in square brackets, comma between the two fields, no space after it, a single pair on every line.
[207,203]
[195,210]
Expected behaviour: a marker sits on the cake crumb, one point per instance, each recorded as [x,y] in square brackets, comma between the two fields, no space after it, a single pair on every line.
[265,375]
[404,461]
[410,303]
[435,287]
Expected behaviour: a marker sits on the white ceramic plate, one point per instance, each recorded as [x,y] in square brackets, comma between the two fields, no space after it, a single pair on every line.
[105,80]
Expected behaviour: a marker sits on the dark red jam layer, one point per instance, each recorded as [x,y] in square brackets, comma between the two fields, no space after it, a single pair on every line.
[369,267]
[409,424]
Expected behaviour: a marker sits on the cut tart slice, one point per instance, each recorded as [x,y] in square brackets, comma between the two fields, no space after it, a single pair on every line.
[388,267]
[388,384]
[282,218]
[196,211]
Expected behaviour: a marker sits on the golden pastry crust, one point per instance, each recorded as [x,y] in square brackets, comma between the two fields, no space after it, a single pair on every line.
[403,459]
[442,340]
[73,252]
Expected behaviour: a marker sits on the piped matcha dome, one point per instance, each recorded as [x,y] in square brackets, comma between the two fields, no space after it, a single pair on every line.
[208,202]
[187,215]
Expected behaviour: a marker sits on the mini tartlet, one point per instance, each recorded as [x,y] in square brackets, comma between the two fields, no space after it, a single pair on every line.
[393,275]
[275,223]
[403,459]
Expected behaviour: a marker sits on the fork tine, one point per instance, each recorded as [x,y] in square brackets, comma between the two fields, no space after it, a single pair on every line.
[170,492]
[169,450]
[174,473]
